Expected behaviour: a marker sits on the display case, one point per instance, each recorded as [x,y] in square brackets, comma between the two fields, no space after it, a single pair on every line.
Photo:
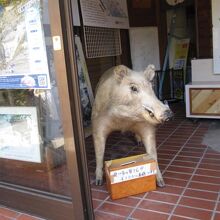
[203,99]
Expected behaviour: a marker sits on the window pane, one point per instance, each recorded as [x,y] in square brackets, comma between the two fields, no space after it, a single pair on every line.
[32,147]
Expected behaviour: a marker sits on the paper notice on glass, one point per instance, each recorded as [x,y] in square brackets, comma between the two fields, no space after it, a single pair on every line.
[23,59]
[19,134]
[105,13]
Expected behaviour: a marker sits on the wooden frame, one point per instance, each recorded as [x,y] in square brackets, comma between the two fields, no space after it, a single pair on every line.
[191,101]
[203,86]
[79,205]
[20,124]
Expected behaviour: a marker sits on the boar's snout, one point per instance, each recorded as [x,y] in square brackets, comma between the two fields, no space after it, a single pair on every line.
[167,115]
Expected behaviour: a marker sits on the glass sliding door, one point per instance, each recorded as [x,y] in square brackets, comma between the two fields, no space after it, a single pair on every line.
[37,145]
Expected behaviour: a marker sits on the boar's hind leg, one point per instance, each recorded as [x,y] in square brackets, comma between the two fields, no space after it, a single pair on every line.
[99,142]
[138,139]
[149,141]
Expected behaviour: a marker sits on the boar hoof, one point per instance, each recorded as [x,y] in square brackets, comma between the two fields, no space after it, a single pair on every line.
[99,182]
[138,140]
[160,183]
[139,143]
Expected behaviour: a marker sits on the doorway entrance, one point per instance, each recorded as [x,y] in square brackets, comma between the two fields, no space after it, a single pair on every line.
[41,149]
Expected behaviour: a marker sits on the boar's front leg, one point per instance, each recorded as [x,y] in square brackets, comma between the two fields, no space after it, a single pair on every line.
[99,144]
[149,141]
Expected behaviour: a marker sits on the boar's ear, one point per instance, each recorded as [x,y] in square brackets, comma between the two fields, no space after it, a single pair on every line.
[150,72]
[120,72]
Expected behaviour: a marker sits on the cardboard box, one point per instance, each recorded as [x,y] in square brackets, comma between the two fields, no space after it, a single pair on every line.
[131,175]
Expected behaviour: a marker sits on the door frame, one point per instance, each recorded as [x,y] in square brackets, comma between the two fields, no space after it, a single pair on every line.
[41,203]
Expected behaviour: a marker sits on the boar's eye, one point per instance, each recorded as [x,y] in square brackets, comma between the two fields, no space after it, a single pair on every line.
[134,88]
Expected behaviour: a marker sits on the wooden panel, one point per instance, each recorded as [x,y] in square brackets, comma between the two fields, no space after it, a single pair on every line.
[142,13]
[162,29]
[204,28]
[125,57]
[96,67]
[205,101]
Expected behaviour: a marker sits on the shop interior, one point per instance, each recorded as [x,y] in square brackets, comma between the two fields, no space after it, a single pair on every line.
[189,162]
[177,38]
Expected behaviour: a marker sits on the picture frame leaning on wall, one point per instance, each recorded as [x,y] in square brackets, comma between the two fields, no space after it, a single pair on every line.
[20,134]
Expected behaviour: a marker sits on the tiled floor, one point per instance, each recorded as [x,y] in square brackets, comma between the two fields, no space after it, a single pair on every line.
[8,214]
[191,171]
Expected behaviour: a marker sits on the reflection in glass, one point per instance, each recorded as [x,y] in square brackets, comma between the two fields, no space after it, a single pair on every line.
[29,100]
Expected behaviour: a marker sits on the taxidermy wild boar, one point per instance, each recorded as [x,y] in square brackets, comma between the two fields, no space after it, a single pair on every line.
[125,101]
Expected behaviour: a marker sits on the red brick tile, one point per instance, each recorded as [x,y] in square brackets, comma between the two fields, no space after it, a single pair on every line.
[204,186]
[175,148]
[218,207]
[162,167]
[193,213]
[208,172]
[115,209]
[162,161]
[141,195]
[99,188]
[170,189]
[156,206]
[196,138]
[165,156]
[177,175]
[209,166]
[211,151]
[197,203]
[8,213]
[190,159]
[96,203]
[5,218]
[199,146]
[175,142]
[205,179]
[210,161]
[177,138]
[178,218]
[129,201]
[107,216]
[217,216]
[190,154]
[99,195]
[201,194]
[194,141]
[180,169]
[149,215]
[192,149]
[27,217]
[184,163]
[175,182]
[212,156]
[157,196]
[186,130]
[165,151]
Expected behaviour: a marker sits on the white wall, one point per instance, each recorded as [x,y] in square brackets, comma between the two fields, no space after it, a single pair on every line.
[144,47]
[216,35]
[202,70]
